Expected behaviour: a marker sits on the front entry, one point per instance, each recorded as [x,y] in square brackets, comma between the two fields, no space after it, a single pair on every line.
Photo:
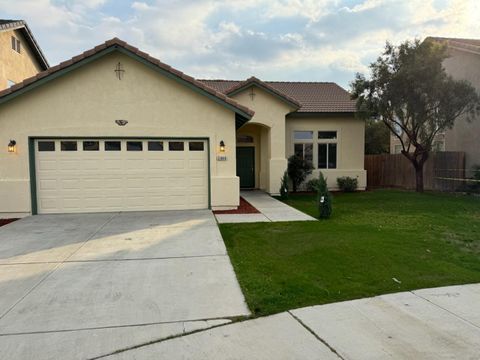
[246,166]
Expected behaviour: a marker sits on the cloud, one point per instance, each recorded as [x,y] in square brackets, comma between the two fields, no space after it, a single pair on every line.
[326,40]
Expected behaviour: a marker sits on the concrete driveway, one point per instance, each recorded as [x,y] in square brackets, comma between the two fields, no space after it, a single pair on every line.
[79,286]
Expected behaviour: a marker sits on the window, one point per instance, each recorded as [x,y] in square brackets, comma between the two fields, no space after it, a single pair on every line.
[68,145]
[303,135]
[398,149]
[16,44]
[195,146]
[175,145]
[10,83]
[304,151]
[331,135]
[244,139]
[134,146]
[46,146]
[327,156]
[320,149]
[113,146]
[303,145]
[155,146]
[91,146]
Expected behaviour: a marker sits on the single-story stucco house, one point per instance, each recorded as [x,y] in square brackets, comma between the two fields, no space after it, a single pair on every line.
[114,129]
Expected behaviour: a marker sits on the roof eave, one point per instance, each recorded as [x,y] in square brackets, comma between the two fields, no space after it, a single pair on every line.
[38,53]
[238,90]
[31,83]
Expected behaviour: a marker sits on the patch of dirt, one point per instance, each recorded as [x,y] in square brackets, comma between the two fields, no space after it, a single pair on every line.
[244,208]
[6,221]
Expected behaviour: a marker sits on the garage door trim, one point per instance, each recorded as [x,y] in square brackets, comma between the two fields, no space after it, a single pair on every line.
[33,172]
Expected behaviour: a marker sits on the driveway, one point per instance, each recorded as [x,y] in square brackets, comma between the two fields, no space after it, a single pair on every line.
[79,286]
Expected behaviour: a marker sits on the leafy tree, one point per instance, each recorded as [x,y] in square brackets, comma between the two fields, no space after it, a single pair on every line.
[377,137]
[298,170]
[412,94]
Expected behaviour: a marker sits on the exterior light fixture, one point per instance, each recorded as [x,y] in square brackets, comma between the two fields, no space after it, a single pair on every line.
[12,146]
[121,122]
[222,146]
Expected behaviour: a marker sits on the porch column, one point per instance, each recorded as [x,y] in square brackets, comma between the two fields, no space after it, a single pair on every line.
[278,162]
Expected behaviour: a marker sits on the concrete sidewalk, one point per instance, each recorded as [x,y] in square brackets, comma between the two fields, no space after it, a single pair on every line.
[440,323]
[271,210]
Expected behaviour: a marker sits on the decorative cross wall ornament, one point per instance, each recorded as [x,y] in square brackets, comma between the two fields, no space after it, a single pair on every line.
[119,71]
[252,93]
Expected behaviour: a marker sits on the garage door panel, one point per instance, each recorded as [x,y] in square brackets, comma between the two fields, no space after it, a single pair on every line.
[97,181]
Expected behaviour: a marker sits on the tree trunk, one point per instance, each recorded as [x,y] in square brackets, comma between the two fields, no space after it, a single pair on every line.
[419,178]
[417,159]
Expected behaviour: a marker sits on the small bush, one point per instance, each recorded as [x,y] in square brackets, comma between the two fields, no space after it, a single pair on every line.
[312,185]
[284,186]
[347,184]
[324,199]
[298,170]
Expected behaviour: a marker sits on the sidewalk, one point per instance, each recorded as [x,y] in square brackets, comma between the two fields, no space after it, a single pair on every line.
[424,324]
[271,210]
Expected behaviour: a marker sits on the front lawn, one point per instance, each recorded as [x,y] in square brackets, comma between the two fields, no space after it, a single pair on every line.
[375,243]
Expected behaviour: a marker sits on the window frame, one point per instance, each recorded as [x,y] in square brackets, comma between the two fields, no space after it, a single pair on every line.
[304,142]
[316,142]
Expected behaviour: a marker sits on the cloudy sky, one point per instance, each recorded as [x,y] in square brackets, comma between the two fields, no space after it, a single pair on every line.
[308,40]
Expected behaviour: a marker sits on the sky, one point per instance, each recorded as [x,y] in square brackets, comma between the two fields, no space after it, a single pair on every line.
[290,40]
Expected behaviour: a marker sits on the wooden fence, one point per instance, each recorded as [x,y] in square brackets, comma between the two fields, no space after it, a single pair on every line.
[443,171]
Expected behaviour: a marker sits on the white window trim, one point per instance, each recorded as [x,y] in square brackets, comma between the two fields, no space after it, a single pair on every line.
[315,141]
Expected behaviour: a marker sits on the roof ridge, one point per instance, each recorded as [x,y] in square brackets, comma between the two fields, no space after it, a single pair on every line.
[256,81]
[118,42]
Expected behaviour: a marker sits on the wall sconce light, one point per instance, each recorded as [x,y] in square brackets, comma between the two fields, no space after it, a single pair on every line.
[222,146]
[12,146]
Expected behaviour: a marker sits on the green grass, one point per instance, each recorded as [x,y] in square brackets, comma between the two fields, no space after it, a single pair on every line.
[423,240]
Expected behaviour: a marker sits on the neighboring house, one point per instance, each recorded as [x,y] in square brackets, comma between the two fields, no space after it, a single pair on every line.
[20,55]
[463,63]
[114,129]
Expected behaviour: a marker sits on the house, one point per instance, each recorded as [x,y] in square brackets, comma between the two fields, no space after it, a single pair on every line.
[463,63]
[20,55]
[114,129]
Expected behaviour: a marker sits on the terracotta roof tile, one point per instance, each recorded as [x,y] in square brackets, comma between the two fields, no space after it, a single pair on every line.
[253,80]
[118,42]
[313,96]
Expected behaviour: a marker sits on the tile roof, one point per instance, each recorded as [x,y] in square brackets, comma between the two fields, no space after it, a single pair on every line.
[21,25]
[255,81]
[470,45]
[312,96]
[115,42]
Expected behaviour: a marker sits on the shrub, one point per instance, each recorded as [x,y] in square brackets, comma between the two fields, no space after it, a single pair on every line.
[312,185]
[347,184]
[298,170]
[284,186]
[324,199]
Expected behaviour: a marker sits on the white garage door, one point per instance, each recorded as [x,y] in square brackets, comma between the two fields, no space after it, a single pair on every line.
[93,175]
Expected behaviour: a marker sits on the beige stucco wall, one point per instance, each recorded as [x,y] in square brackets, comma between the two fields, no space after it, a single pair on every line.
[465,135]
[350,145]
[270,115]
[87,101]
[15,66]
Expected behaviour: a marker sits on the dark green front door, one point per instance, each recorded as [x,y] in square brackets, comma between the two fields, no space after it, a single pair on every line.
[246,166]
